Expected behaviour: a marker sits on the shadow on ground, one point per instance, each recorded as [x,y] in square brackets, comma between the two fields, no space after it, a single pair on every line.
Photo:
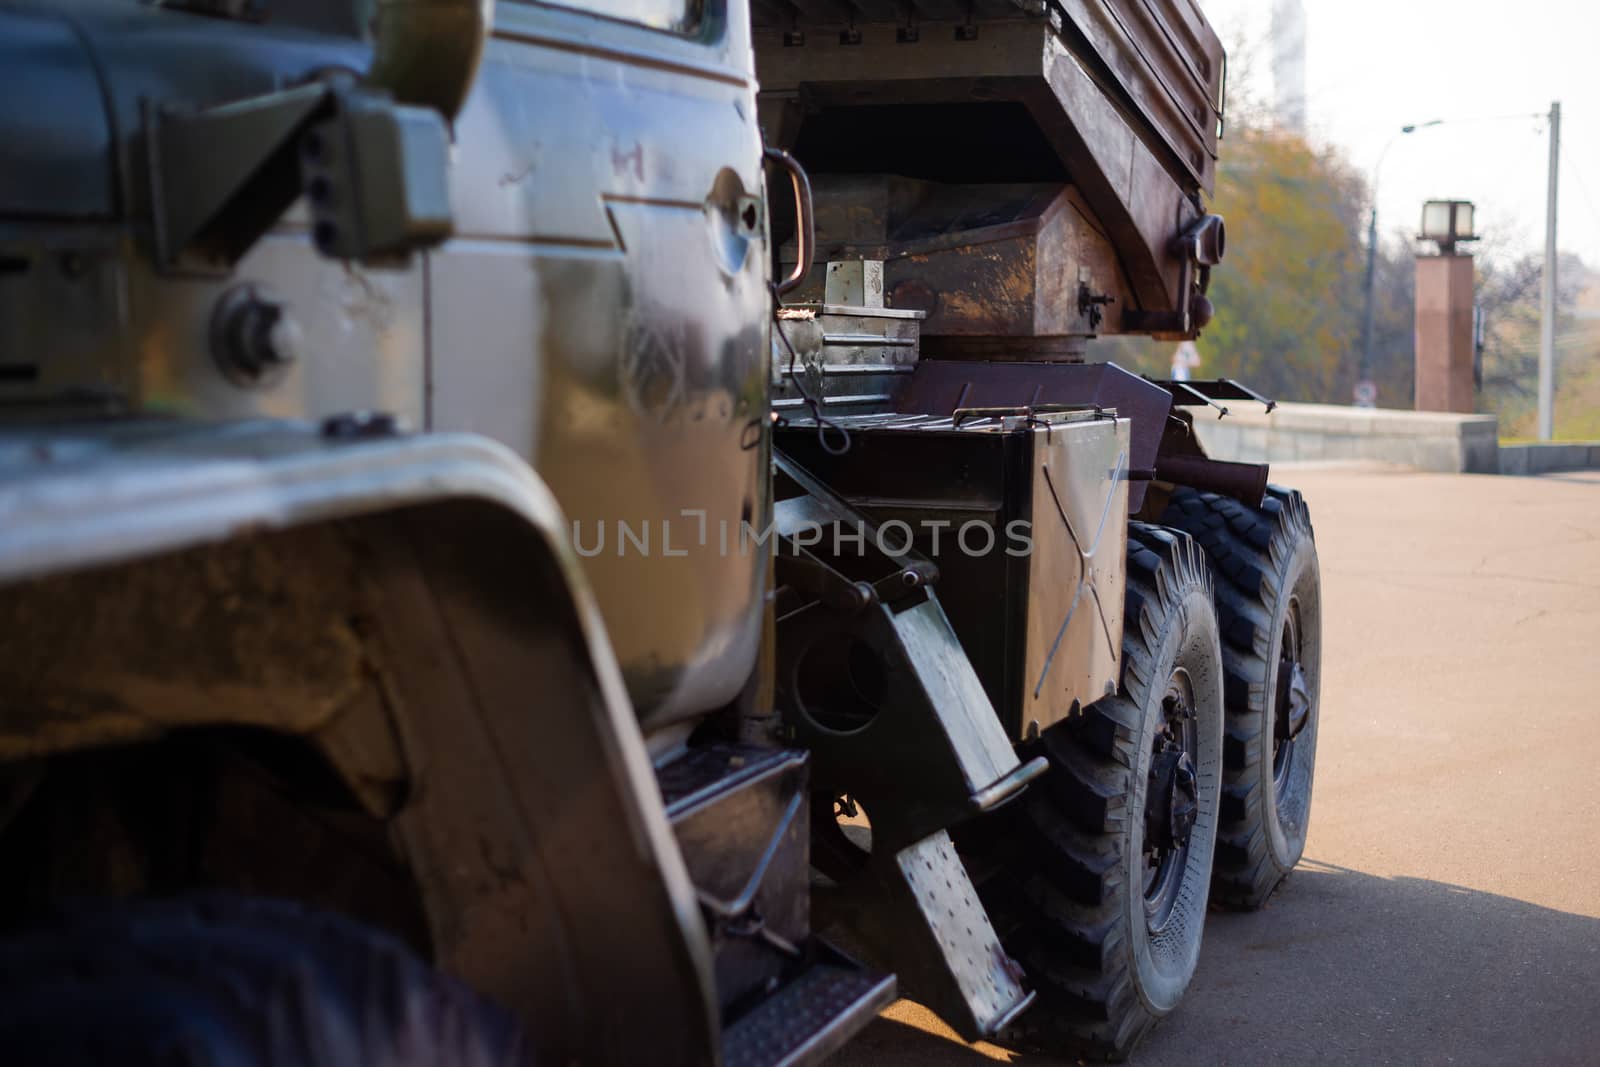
[1345,967]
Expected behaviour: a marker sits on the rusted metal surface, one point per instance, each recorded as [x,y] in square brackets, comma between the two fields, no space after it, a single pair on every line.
[1246,482]
[1162,60]
[1165,60]
[940,387]
[984,262]
[1115,101]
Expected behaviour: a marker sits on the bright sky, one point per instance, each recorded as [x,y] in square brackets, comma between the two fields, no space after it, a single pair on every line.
[1376,65]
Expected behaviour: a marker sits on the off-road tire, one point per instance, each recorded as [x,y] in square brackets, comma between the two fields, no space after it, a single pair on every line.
[229,981]
[1264,561]
[1061,871]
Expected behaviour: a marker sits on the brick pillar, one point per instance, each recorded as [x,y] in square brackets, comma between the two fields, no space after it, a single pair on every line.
[1444,334]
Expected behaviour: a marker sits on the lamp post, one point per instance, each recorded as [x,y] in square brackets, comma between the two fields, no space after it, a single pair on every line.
[1447,223]
[1366,392]
[1547,288]
[1444,335]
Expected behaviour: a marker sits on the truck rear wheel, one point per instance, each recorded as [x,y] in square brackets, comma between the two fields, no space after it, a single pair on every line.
[1097,877]
[228,981]
[1269,604]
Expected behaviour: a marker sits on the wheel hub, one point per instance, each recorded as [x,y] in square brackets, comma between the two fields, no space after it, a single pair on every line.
[1291,702]
[1294,700]
[1174,799]
[1171,805]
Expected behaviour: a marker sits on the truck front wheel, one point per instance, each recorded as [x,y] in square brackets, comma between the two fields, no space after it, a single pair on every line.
[230,981]
[1269,603]
[1097,877]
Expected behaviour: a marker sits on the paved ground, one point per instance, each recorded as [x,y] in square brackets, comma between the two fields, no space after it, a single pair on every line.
[1448,909]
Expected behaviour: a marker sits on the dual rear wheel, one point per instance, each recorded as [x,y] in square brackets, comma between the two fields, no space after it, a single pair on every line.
[1191,783]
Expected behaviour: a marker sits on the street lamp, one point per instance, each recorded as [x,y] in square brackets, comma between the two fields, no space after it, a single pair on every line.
[1447,222]
[1366,392]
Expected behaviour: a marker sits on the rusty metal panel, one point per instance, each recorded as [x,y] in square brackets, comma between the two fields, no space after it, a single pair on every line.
[939,387]
[982,261]
[1139,201]
[1162,63]
[1167,61]
[1134,172]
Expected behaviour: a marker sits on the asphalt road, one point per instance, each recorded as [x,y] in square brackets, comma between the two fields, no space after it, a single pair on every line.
[1448,908]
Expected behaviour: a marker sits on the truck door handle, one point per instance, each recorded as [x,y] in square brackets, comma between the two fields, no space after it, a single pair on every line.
[805,235]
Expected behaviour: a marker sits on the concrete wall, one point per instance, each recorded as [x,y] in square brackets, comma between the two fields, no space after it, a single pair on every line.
[1428,441]
[1551,456]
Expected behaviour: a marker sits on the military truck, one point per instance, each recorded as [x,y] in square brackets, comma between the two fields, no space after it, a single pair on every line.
[592,532]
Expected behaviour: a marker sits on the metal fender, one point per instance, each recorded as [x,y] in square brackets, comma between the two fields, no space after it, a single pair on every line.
[411,605]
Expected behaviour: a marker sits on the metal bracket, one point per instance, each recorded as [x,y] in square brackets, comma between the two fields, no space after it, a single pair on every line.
[1199,246]
[1208,392]
[221,176]
[914,737]
[376,174]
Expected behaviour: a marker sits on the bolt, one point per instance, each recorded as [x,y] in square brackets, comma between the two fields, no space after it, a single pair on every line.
[360,425]
[253,338]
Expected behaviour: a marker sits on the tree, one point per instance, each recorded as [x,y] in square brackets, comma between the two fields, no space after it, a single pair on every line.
[1394,334]
[1288,295]
[1508,296]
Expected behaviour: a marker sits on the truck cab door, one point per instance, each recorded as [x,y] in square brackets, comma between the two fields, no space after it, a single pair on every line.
[604,311]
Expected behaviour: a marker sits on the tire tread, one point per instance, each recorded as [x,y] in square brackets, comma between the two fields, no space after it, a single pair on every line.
[1246,548]
[235,981]
[1057,896]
